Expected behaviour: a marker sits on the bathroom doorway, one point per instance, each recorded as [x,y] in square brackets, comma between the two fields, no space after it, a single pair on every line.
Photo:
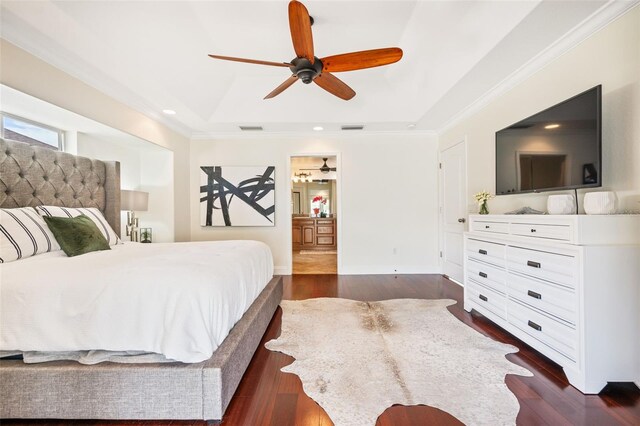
[314,214]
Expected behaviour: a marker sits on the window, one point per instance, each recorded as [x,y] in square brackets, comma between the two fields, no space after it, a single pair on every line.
[23,130]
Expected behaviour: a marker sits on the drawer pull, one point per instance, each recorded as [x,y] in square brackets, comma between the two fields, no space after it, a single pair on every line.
[533,264]
[483,298]
[482,251]
[482,274]
[534,326]
[487,227]
[534,294]
[533,230]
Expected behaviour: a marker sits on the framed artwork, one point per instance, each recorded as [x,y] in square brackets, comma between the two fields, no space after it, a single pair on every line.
[237,196]
[146,235]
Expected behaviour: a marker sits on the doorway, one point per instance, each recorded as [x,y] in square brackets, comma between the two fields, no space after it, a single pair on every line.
[314,214]
[453,209]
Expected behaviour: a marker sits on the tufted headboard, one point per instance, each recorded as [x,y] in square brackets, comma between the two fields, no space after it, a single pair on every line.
[32,176]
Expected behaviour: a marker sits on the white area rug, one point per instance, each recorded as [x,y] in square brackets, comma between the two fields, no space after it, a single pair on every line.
[356,359]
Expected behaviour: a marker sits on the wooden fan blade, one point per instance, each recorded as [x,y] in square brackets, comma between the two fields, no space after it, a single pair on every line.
[252,61]
[300,26]
[360,60]
[288,82]
[335,86]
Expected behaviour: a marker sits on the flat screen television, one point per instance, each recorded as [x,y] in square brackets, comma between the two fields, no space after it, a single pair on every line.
[558,148]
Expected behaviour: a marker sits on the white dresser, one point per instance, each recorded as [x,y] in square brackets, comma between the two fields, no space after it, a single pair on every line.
[567,285]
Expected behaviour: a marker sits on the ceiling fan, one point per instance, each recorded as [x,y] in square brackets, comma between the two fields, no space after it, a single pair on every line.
[307,67]
[324,168]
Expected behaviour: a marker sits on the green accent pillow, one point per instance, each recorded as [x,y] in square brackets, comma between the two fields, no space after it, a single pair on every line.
[77,235]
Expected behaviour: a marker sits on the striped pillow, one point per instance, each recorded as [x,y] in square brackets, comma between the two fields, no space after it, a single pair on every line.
[93,213]
[23,233]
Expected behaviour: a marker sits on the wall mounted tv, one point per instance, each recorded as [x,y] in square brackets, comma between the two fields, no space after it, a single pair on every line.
[558,148]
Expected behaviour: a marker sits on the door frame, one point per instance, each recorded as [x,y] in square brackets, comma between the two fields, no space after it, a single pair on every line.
[462,141]
[289,220]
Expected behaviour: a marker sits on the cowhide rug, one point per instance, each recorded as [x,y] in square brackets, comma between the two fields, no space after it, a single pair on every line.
[356,359]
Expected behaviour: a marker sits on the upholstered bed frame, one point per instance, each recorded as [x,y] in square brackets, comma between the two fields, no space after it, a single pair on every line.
[31,176]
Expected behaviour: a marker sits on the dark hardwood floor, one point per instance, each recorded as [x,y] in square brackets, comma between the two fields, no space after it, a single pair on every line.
[267,396]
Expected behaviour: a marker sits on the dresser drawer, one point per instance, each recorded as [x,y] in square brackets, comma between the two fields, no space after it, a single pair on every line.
[486,298]
[553,333]
[326,240]
[485,251]
[324,229]
[487,275]
[555,300]
[552,232]
[553,267]
[489,226]
[303,222]
[325,222]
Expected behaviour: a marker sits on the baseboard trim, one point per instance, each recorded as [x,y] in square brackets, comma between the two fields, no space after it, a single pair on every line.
[282,270]
[372,270]
[388,270]
[452,280]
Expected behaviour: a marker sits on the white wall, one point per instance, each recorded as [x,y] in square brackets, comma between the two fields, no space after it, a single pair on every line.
[24,72]
[144,167]
[610,57]
[387,189]
[156,178]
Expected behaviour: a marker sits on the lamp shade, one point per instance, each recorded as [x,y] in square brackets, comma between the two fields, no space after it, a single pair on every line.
[134,200]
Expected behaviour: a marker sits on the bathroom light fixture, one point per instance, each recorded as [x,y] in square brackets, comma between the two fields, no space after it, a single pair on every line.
[302,177]
[552,126]
[169,111]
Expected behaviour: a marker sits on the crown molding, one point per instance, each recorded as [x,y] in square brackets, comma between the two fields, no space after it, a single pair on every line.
[341,134]
[608,13]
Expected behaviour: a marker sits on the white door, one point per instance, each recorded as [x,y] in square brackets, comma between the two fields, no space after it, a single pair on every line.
[453,212]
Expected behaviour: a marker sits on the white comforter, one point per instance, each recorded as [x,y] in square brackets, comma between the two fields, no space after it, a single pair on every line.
[179,300]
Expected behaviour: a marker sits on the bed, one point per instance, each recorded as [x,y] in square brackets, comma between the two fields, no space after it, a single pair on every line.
[202,390]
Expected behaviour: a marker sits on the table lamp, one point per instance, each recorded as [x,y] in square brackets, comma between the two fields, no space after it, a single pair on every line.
[132,201]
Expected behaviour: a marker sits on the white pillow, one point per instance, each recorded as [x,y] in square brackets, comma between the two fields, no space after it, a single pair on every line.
[23,233]
[93,213]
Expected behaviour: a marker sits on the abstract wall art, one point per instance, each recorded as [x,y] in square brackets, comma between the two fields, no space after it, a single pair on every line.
[237,196]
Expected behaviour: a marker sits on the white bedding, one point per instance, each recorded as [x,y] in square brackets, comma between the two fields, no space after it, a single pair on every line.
[179,299]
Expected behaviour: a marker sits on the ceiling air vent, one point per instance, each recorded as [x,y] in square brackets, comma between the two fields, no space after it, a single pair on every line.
[251,128]
[353,127]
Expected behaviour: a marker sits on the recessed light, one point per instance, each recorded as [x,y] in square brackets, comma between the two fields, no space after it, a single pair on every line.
[411,126]
[318,128]
[169,111]
[552,126]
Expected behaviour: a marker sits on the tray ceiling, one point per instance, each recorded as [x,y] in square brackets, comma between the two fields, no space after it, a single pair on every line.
[152,55]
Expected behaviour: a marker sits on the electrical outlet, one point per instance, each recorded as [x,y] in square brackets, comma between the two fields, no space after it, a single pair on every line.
[394,250]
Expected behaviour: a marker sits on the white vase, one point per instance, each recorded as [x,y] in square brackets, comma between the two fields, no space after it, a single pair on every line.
[603,202]
[561,204]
